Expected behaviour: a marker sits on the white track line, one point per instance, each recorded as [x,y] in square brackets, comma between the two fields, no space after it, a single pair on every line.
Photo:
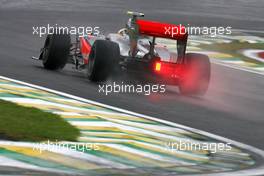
[248,31]
[257,171]
[7,162]
[236,67]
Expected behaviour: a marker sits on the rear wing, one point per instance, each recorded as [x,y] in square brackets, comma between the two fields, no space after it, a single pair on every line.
[136,27]
[162,30]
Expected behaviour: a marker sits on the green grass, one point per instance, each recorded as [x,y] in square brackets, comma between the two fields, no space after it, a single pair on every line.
[234,48]
[30,124]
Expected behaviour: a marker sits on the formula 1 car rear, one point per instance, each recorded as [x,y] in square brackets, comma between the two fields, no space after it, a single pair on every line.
[153,51]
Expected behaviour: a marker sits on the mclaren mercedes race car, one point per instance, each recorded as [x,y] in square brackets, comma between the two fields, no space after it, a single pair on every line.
[152,51]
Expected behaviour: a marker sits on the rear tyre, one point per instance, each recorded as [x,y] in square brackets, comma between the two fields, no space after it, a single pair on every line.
[56,51]
[195,74]
[102,60]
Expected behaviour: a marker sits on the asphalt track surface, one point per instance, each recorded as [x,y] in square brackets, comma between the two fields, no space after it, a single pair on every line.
[234,105]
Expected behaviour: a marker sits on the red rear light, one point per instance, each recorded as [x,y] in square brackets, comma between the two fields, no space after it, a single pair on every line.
[158,66]
[165,68]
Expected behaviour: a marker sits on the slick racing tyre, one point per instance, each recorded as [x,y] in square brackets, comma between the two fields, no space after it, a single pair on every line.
[102,60]
[196,74]
[56,50]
